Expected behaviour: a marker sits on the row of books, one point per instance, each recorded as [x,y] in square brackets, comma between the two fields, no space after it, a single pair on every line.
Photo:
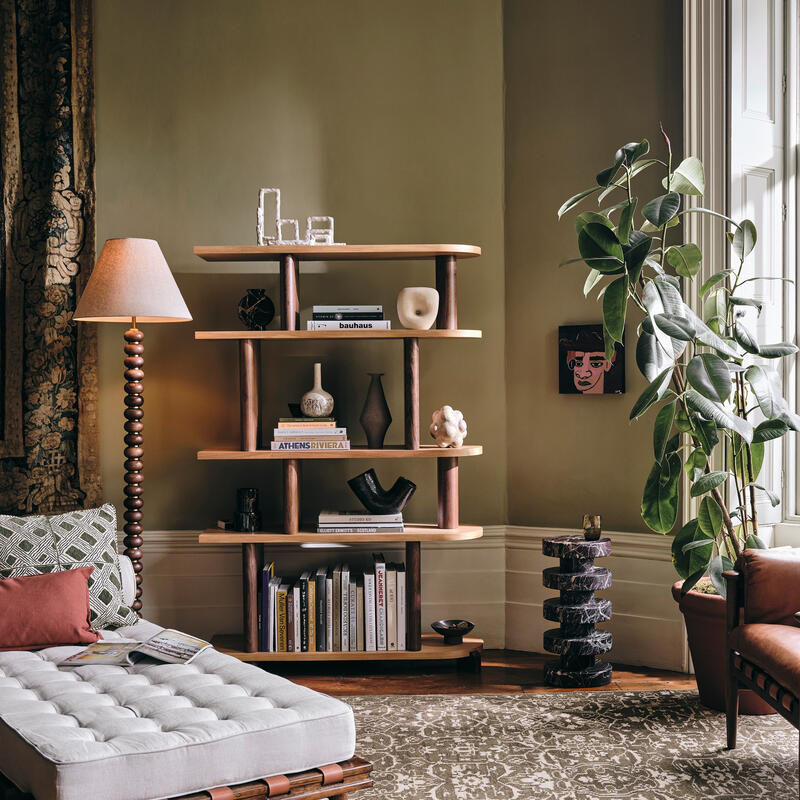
[358,522]
[309,433]
[344,318]
[334,609]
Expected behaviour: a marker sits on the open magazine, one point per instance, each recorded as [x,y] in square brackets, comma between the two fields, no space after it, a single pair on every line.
[171,646]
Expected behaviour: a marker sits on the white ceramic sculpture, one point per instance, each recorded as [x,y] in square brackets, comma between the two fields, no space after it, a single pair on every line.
[448,427]
[319,230]
[417,307]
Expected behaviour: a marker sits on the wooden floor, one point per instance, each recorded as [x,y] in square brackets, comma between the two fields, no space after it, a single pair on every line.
[503,672]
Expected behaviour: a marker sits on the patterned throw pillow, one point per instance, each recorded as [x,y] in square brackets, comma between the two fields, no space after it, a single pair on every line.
[35,545]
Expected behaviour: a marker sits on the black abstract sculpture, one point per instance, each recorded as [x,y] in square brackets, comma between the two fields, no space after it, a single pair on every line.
[377,500]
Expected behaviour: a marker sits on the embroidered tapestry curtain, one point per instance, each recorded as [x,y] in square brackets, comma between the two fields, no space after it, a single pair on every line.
[48,364]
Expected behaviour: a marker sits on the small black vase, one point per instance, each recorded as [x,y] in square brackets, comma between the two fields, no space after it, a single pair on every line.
[375,418]
[377,500]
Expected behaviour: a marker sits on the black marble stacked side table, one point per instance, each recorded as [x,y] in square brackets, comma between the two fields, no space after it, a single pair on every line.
[576,640]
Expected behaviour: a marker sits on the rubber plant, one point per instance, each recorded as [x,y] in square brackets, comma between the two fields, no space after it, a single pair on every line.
[713,390]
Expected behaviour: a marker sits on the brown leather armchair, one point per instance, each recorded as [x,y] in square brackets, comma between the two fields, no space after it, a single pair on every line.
[764,633]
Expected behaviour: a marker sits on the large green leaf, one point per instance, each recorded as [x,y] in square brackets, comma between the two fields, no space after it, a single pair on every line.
[744,239]
[626,220]
[710,375]
[661,297]
[709,517]
[693,560]
[744,336]
[651,358]
[630,153]
[769,429]
[771,403]
[774,500]
[706,433]
[705,483]
[654,392]
[716,278]
[777,350]
[716,567]
[685,259]
[592,279]
[695,464]
[719,414]
[600,248]
[706,336]
[659,211]
[615,304]
[575,199]
[662,428]
[585,217]
[660,499]
[688,178]
[635,254]
[676,327]
[737,457]
[752,302]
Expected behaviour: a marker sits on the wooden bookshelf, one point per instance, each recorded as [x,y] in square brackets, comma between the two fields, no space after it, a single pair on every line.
[447,526]
[433,649]
[412,533]
[397,451]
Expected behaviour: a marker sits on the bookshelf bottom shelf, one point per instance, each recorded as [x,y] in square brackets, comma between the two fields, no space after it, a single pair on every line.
[433,649]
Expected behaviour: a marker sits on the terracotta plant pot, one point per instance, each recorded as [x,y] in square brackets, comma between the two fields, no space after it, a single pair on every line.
[704,615]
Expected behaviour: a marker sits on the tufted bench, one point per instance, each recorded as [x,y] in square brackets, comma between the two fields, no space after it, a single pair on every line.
[166,730]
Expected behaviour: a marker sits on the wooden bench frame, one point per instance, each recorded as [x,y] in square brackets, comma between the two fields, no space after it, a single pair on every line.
[329,782]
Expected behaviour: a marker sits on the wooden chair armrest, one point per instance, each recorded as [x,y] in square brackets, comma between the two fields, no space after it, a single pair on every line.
[733,600]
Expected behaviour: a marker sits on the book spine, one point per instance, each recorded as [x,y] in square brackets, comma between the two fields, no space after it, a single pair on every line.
[307,431]
[347,309]
[353,615]
[290,620]
[370,642]
[310,445]
[312,615]
[311,437]
[401,610]
[345,620]
[359,529]
[265,612]
[329,615]
[320,626]
[360,636]
[282,631]
[327,316]
[380,604]
[273,616]
[337,610]
[352,325]
[356,518]
[303,615]
[391,609]
[317,422]
[297,626]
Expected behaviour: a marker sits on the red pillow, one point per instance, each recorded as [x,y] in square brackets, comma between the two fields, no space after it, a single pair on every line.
[48,610]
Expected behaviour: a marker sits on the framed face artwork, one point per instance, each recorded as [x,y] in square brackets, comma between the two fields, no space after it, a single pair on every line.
[582,364]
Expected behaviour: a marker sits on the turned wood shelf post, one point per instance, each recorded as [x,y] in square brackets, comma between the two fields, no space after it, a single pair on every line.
[134,452]
[446,286]
[414,596]
[290,303]
[411,385]
[448,492]
[250,393]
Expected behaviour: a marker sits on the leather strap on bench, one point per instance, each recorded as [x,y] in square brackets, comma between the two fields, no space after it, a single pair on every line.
[331,773]
[221,793]
[277,784]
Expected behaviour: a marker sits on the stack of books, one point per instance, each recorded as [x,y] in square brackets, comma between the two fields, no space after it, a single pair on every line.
[334,609]
[348,318]
[358,522]
[309,433]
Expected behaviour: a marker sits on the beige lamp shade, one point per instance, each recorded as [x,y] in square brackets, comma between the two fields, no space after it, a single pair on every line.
[131,279]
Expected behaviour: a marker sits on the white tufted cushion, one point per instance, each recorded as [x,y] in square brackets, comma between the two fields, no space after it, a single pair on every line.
[157,730]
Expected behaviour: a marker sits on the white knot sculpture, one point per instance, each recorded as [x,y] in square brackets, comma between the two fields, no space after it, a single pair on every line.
[448,427]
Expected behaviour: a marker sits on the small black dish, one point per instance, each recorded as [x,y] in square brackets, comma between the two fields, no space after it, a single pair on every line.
[453,630]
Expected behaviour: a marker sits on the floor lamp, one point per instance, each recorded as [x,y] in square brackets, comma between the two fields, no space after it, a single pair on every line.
[132,282]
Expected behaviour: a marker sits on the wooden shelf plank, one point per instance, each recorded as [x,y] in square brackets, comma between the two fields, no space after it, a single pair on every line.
[433,648]
[402,333]
[426,451]
[412,533]
[335,252]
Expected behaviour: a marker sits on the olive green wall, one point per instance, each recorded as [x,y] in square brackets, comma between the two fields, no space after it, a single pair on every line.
[581,78]
[388,116]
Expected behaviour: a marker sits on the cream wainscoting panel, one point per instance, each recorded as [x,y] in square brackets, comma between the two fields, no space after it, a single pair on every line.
[647,626]
[198,587]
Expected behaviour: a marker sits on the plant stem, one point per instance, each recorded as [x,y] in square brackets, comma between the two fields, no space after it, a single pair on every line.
[750,479]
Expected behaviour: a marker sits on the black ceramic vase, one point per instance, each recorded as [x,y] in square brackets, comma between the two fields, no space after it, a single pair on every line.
[377,500]
[375,418]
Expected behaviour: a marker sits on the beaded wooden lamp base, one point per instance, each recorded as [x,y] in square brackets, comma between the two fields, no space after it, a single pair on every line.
[134,375]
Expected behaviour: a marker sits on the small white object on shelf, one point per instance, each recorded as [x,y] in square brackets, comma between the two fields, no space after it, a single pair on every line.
[448,427]
[417,307]
[319,229]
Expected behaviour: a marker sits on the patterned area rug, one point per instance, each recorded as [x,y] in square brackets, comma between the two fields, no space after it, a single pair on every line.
[660,745]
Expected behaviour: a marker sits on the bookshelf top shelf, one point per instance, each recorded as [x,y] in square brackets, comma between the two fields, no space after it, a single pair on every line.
[425,451]
[402,333]
[335,252]
[412,533]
